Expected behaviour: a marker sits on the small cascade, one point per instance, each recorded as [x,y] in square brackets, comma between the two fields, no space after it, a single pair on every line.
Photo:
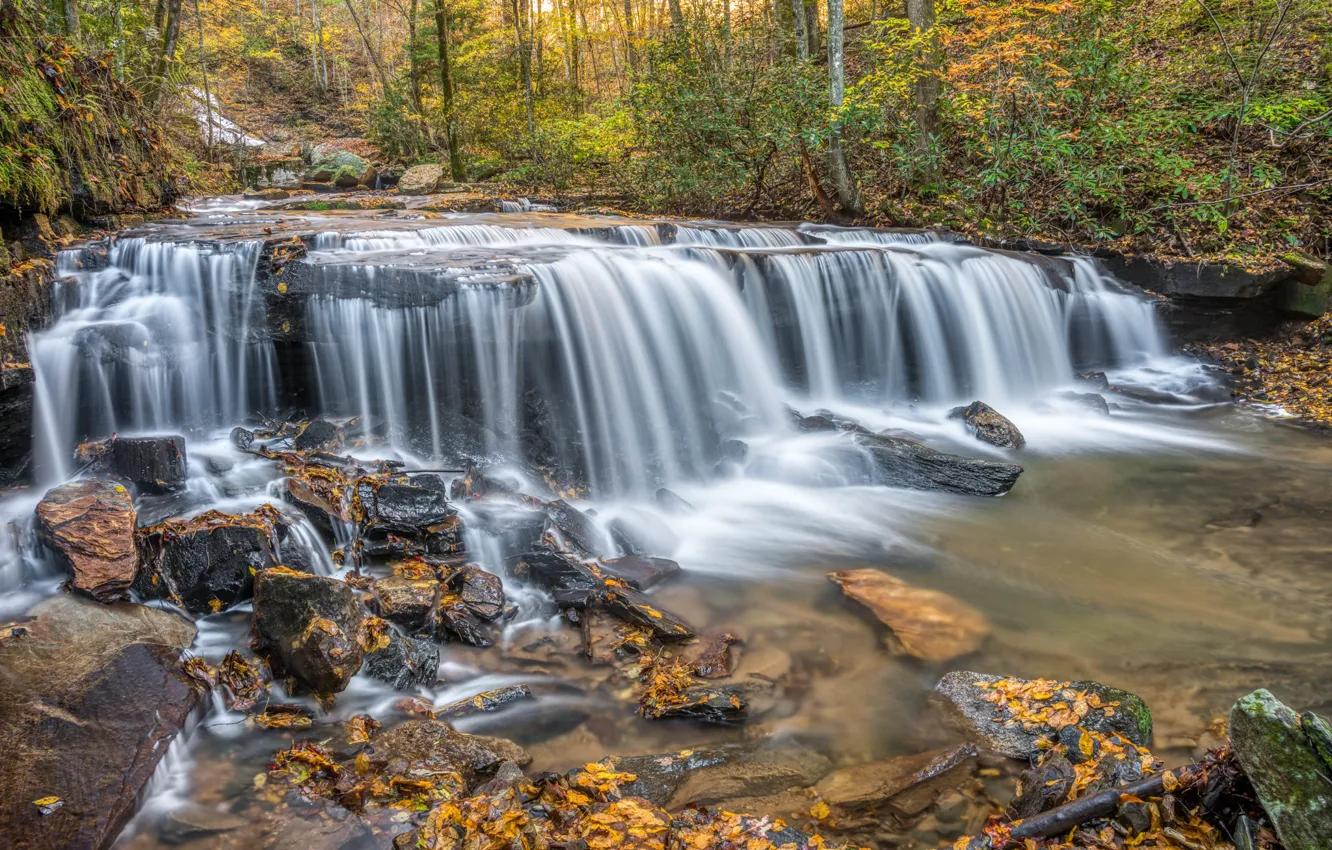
[738,237]
[161,338]
[457,235]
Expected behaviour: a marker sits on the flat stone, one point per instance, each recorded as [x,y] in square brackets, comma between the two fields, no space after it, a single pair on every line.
[90,524]
[90,700]
[1286,769]
[709,775]
[420,179]
[912,781]
[433,747]
[928,624]
[640,573]
[904,463]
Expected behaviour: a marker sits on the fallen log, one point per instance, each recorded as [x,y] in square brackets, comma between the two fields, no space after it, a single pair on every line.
[1061,819]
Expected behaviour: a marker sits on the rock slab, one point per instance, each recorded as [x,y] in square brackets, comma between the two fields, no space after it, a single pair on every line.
[903,463]
[90,524]
[421,179]
[1286,769]
[90,700]
[928,624]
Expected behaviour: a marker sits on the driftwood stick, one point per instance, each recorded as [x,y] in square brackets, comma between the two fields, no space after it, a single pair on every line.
[1061,819]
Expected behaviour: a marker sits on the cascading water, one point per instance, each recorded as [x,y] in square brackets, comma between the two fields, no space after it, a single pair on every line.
[158,339]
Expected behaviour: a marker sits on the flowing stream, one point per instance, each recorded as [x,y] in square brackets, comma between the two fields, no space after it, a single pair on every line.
[1173,547]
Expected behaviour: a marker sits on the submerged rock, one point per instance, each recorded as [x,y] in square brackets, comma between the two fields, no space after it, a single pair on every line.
[639,573]
[207,563]
[1010,716]
[908,784]
[309,628]
[1290,774]
[643,534]
[670,501]
[709,775]
[427,748]
[989,425]
[1092,402]
[902,463]
[89,525]
[927,624]
[90,700]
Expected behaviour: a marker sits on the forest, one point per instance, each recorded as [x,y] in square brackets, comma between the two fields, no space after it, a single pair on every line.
[1190,129]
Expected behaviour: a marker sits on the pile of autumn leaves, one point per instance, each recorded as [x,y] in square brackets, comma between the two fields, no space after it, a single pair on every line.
[1293,372]
[586,807]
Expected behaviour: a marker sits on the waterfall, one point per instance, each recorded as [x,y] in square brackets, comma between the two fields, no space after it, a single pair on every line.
[162,338]
[629,353]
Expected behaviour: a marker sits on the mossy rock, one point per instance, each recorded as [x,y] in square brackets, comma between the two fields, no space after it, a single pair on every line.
[1286,769]
[342,168]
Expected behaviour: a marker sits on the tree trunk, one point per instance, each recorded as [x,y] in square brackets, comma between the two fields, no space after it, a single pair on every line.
[70,12]
[525,65]
[677,17]
[920,15]
[170,34]
[812,26]
[203,70]
[801,30]
[370,49]
[629,36]
[846,187]
[446,93]
[317,46]
[413,70]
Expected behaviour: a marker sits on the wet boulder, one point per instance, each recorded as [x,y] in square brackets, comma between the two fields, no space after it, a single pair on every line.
[480,591]
[315,435]
[420,179]
[1010,716]
[402,662]
[89,525]
[340,167]
[575,527]
[925,624]
[1043,786]
[151,464]
[402,504]
[207,563]
[90,701]
[405,601]
[309,627]
[904,463]
[671,502]
[989,425]
[475,484]
[907,784]
[1091,402]
[1287,767]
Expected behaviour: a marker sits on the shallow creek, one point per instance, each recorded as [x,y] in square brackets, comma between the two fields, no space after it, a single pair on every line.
[1177,550]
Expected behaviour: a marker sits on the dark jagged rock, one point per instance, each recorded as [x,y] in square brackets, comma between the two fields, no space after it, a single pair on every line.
[908,784]
[453,619]
[554,571]
[639,573]
[989,425]
[1044,786]
[982,704]
[405,601]
[474,484]
[575,527]
[317,434]
[901,463]
[89,525]
[484,702]
[207,563]
[404,663]
[633,607]
[1287,769]
[402,504]
[308,627]
[480,591]
[670,501]
[1095,380]
[242,438]
[90,700]
[723,706]
[152,464]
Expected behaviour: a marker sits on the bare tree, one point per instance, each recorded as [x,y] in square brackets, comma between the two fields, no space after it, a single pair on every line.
[920,16]
[369,48]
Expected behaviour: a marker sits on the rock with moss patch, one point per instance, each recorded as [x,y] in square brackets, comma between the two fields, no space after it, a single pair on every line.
[342,168]
[1286,769]
[1010,716]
